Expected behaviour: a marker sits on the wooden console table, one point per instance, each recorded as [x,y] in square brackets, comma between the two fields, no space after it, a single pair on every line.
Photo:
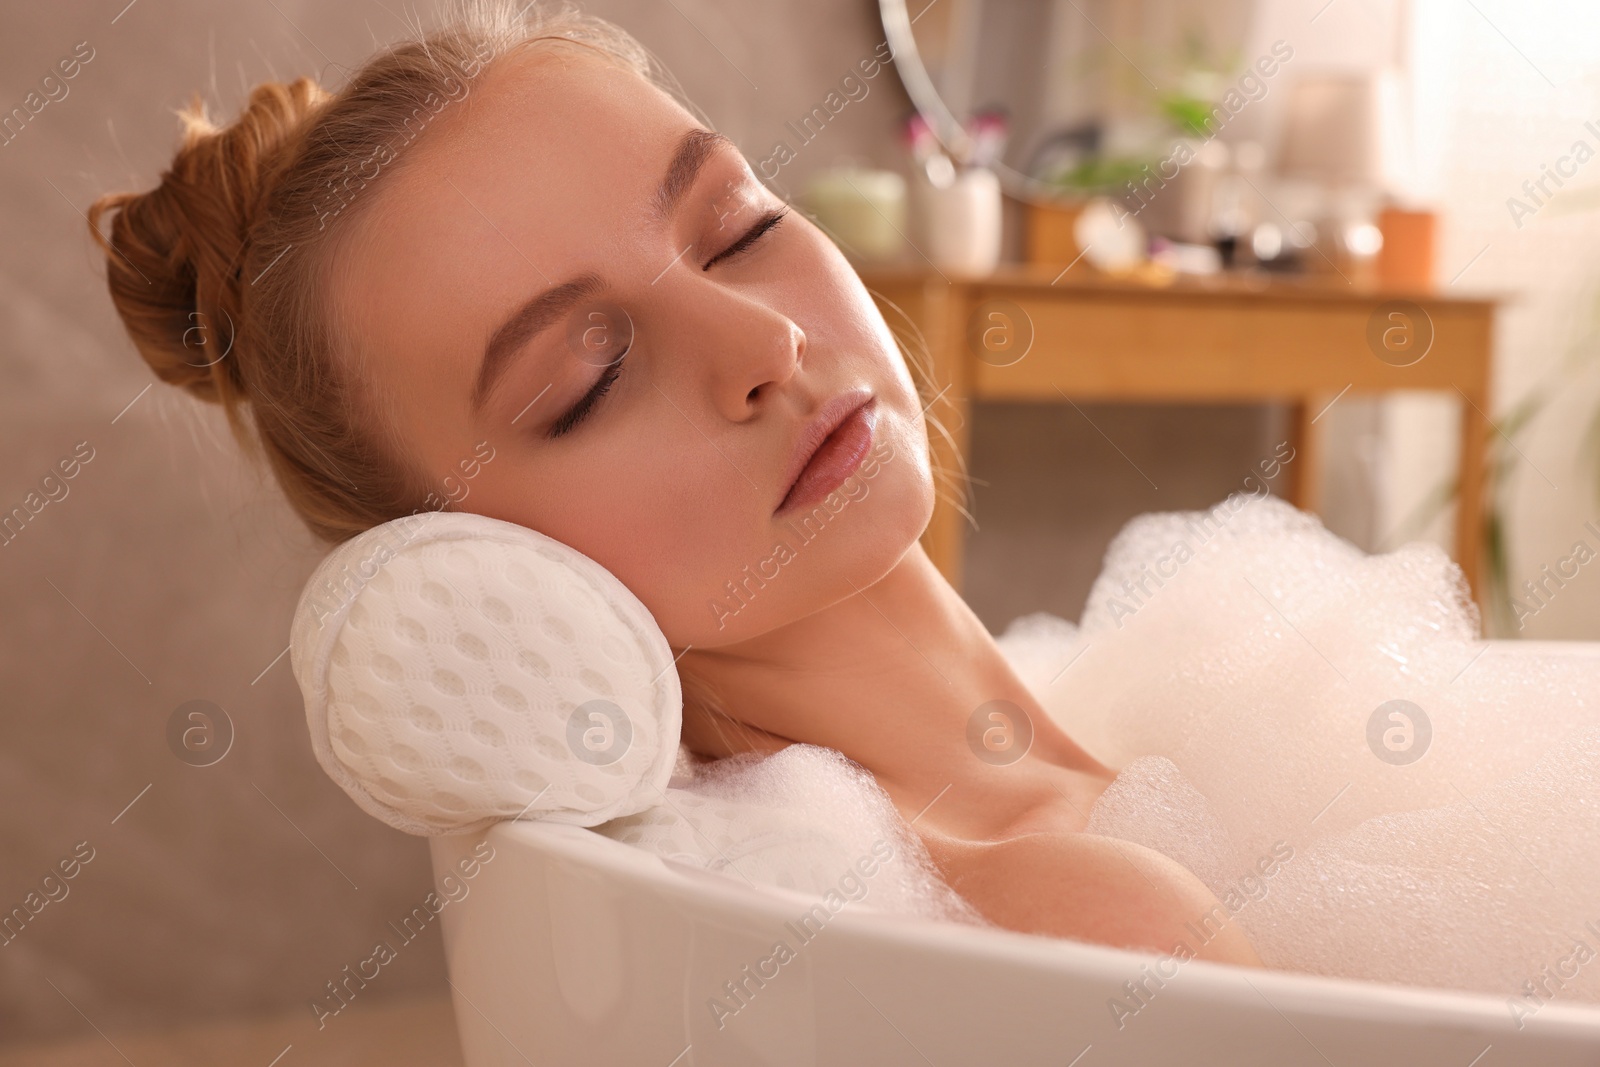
[1019,334]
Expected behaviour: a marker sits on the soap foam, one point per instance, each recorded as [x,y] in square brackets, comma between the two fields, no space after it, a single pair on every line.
[804,818]
[1233,664]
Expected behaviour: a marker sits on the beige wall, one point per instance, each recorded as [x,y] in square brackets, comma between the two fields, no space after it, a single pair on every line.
[170,571]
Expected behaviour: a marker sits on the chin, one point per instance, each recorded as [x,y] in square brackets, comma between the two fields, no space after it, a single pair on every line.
[887,526]
[816,558]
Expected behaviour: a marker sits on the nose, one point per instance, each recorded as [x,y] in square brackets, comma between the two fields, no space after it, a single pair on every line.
[744,348]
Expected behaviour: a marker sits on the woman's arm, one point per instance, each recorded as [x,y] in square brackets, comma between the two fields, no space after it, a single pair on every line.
[1092,888]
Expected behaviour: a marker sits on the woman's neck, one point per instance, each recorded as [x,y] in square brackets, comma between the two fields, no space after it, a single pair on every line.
[892,677]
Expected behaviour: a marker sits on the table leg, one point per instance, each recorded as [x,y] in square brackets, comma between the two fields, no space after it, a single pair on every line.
[1305,437]
[1470,492]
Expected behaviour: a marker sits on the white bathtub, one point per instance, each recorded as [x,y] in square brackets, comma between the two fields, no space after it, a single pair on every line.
[572,948]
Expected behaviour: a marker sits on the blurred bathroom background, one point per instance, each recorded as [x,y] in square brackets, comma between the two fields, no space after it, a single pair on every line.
[220,899]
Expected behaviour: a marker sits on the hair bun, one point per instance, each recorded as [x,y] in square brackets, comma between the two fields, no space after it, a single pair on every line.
[176,253]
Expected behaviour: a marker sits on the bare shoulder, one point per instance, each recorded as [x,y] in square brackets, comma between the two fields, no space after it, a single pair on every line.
[1092,888]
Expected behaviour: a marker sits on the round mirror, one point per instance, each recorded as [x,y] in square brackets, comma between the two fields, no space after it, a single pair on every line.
[937,53]
[1066,99]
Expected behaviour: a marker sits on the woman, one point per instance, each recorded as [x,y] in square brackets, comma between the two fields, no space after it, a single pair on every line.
[513,233]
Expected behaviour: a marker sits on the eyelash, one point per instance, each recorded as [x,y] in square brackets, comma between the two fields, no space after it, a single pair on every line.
[763,226]
[580,411]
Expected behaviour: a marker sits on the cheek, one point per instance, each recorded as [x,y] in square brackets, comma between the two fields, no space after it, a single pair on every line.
[674,540]
[712,566]
[671,531]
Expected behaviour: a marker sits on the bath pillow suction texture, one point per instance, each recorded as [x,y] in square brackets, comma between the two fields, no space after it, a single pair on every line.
[459,670]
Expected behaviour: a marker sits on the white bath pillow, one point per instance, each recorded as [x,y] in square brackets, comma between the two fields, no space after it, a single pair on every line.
[458,670]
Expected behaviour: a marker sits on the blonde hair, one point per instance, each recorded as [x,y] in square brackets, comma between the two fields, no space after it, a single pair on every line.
[219,273]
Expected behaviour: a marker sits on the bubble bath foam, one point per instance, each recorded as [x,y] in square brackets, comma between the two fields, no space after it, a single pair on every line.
[1370,790]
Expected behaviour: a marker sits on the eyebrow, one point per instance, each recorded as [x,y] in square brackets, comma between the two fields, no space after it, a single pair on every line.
[539,313]
[693,150]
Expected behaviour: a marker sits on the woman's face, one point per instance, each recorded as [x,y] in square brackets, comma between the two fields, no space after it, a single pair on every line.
[665,351]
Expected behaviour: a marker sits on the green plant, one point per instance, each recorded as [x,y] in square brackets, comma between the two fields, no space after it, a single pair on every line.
[1201,74]
[1187,113]
[1100,174]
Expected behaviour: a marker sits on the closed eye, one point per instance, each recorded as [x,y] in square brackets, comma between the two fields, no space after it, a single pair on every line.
[763,226]
[580,411]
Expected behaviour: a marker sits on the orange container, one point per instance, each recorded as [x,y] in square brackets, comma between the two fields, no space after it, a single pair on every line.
[1050,239]
[1406,259]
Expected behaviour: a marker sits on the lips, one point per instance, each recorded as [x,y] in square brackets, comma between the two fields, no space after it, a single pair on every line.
[832,446]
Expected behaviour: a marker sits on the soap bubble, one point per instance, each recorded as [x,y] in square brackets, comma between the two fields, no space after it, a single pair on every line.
[1233,733]
[805,818]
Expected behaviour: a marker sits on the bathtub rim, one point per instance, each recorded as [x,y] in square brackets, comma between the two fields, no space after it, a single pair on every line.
[1290,993]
